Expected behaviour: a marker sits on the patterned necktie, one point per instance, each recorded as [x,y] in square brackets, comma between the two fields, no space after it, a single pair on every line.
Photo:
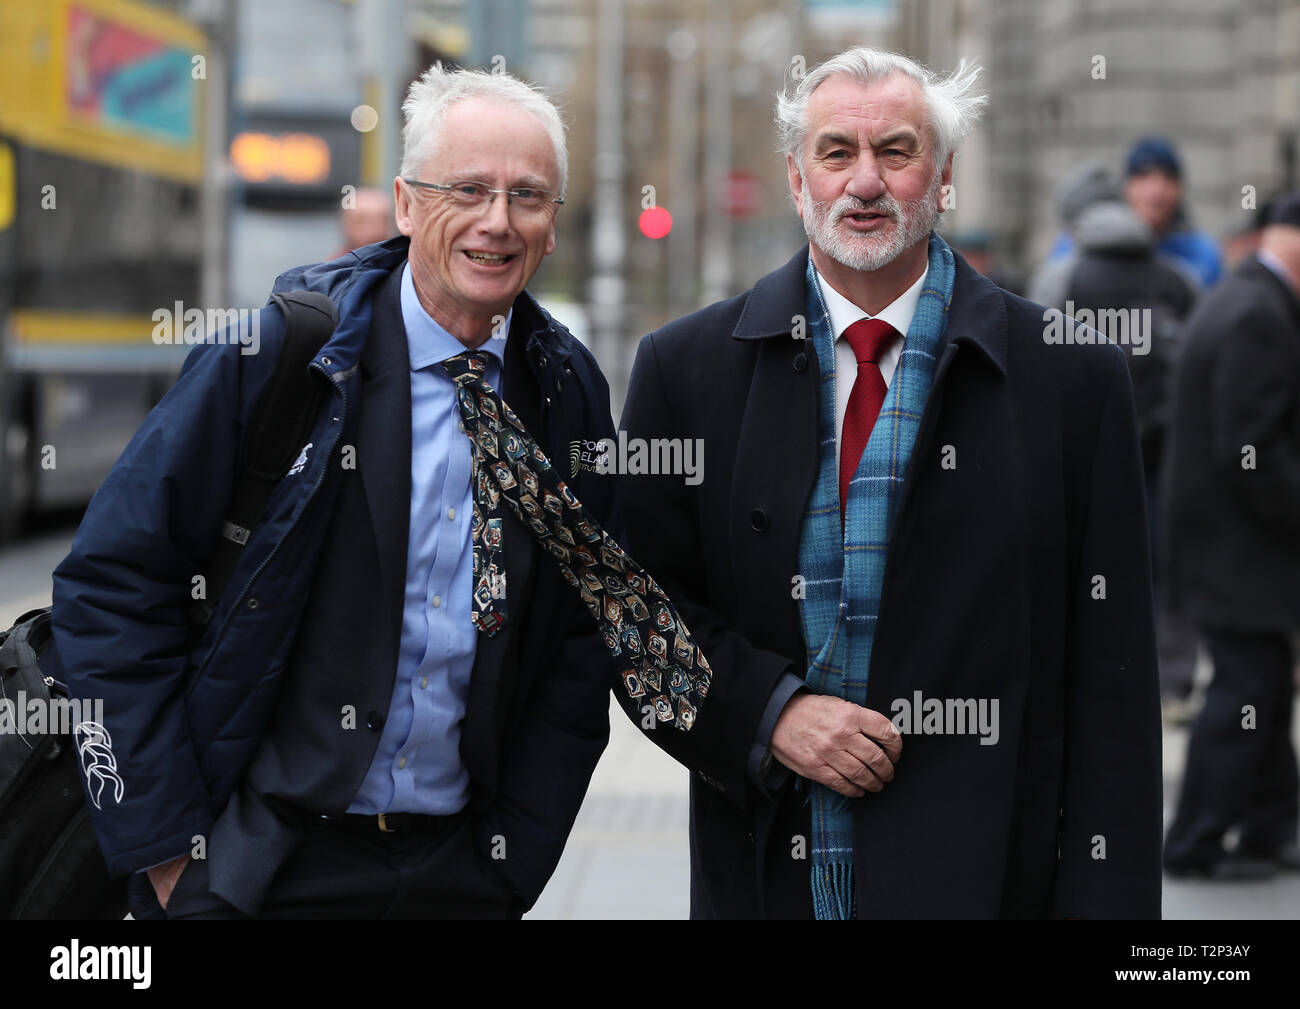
[868,338]
[637,620]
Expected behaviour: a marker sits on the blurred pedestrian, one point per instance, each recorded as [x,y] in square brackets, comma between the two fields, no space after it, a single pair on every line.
[1154,188]
[366,218]
[1233,558]
[1114,280]
[1091,182]
[979,248]
[1243,240]
[1129,294]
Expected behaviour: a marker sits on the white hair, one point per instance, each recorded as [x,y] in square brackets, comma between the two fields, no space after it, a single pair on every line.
[428,99]
[952,106]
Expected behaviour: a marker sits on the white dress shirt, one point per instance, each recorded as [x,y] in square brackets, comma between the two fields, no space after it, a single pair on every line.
[843,314]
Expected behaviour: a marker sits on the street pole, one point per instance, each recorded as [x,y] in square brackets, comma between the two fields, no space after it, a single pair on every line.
[384,62]
[218,20]
[684,185]
[717,157]
[608,242]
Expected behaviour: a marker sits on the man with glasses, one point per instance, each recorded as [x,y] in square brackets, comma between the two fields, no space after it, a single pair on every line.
[398,703]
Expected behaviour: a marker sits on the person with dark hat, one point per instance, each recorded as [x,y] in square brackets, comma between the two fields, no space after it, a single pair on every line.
[1233,554]
[1153,187]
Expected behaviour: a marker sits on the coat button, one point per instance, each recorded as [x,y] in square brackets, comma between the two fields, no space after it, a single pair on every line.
[758,519]
[800,361]
[252,604]
[374,720]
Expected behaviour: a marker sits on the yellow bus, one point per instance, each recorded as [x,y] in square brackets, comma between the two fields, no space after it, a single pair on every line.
[101,158]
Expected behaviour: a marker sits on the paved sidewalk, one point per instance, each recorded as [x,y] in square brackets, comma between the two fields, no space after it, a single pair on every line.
[1278,898]
[627,857]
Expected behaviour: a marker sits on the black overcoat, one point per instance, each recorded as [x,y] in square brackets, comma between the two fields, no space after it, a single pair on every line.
[1233,490]
[1018,570]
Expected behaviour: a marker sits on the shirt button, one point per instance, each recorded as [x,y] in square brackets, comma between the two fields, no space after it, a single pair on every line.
[424,682]
[451,514]
[401,763]
[437,601]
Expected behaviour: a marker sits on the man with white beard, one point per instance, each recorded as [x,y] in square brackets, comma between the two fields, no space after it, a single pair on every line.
[909,491]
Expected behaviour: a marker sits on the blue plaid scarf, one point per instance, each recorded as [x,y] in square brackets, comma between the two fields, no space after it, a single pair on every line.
[843,575]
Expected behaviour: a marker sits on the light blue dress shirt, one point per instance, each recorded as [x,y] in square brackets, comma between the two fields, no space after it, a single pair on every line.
[417,766]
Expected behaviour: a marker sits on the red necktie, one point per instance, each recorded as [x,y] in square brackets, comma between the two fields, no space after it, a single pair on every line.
[869,338]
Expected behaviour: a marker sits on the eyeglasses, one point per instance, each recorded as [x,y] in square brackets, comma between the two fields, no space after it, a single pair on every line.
[475,196]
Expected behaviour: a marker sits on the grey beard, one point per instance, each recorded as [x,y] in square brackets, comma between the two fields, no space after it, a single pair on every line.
[913,221]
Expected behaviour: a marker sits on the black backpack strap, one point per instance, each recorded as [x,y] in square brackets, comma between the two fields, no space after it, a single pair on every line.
[285,415]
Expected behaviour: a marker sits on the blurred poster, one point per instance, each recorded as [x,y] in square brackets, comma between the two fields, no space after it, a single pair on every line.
[121,78]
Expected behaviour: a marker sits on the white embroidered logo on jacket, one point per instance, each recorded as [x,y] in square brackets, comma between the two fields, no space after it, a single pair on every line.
[95,747]
[300,463]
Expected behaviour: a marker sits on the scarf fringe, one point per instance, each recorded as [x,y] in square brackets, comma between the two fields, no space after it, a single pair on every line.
[832,892]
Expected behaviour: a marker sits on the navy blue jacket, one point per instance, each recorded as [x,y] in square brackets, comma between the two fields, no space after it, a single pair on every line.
[186,716]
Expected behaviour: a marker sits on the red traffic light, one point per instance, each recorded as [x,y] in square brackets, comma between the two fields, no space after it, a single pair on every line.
[655,222]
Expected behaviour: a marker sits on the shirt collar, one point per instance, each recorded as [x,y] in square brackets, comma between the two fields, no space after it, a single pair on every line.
[429,343]
[898,313]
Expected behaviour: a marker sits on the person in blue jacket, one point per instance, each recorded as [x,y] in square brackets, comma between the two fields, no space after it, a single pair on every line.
[1153,187]
[339,741]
